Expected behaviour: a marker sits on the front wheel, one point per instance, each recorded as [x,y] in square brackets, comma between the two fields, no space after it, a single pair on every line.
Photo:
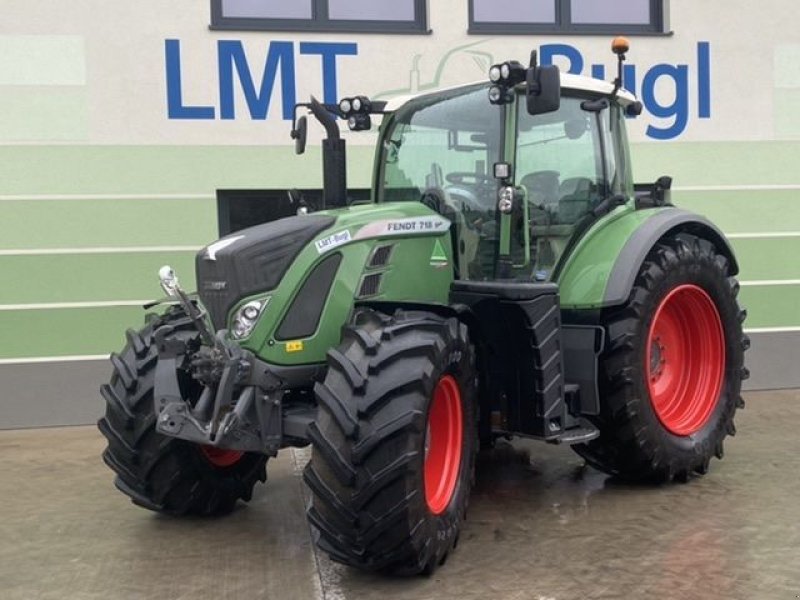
[671,375]
[162,473]
[394,442]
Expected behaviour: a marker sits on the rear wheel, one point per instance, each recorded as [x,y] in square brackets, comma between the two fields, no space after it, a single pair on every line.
[394,442]
[161,473]
[671,375]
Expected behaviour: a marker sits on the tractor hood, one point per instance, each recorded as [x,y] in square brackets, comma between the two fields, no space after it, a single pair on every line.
[252,260]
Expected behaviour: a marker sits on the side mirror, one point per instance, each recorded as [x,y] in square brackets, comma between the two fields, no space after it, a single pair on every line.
[300,135]
[543,89]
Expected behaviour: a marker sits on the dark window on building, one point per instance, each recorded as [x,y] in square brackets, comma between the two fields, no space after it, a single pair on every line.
[364,16]
[606,17]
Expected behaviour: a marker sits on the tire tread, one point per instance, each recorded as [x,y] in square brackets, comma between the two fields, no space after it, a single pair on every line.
[370,405]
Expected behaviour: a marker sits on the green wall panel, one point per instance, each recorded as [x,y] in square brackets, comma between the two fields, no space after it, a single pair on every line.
[66,332]
[107,196]
[745,211]
[769,258]
[69,169]
[771,306]
[718,163]
[90,331]
[89,278]
[74,169]
[106,223]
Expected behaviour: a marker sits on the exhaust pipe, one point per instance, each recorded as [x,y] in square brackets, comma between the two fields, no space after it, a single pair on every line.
[334,159]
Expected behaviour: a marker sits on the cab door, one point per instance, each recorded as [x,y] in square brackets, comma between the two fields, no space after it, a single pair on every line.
[565,165]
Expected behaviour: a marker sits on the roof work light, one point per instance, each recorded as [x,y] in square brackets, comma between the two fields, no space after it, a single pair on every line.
[505,76]
[356,110]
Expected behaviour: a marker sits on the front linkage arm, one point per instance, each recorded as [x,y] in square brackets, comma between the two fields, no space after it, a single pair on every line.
[240,405]
[239,411]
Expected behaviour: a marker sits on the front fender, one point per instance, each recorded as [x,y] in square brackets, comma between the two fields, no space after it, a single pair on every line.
[603,266]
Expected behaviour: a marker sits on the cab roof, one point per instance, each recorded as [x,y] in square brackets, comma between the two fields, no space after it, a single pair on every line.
[577,83]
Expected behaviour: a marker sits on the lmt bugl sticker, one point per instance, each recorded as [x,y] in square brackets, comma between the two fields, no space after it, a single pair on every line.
[332,241]
[407,226]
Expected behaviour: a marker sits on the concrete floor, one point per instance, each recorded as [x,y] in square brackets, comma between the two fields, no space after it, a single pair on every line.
[541,527]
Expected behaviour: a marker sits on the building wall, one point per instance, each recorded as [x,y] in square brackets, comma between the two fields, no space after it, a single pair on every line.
[103,179]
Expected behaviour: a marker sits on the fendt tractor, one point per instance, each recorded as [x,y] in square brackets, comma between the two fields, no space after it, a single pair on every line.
[507,278]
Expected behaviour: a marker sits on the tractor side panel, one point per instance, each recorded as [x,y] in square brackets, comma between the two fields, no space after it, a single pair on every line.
[272,340]
[373,253]
[418,270]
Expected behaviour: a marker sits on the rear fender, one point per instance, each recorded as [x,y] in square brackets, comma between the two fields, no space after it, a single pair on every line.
[603,267]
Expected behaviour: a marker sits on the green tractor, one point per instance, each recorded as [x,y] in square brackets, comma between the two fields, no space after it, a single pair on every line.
[506,279]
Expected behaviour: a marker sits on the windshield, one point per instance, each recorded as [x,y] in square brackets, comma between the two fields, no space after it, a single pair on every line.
[440,150]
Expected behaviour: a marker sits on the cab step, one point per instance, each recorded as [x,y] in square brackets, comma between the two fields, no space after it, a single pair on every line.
[576,435]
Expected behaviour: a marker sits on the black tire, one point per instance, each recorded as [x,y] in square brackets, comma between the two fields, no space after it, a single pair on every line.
[161,473]
[634,444]
[369,508]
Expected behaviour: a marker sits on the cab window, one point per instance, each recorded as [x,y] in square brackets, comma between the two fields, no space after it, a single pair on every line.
[565,166]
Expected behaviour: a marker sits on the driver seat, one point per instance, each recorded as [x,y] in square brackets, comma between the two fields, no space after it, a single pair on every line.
[542,188]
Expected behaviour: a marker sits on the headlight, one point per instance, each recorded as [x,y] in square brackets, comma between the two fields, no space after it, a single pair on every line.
[345,106]
[169,281]
[500,95]
[508,74]
[505,199]
[245,318]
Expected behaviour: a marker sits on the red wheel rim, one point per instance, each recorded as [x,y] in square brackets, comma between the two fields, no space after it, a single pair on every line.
[220,457]
[443,445]
[685,359]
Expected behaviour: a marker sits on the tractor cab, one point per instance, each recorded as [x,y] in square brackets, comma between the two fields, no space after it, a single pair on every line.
[521,165]
[519,187]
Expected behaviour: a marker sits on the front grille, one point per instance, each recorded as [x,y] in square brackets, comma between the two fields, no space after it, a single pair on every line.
[370,285]
[380,256]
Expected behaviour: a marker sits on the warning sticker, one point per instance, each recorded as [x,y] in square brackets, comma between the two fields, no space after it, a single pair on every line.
[296,346]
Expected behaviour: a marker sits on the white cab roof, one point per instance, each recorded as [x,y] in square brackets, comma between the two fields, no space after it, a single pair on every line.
[568,82]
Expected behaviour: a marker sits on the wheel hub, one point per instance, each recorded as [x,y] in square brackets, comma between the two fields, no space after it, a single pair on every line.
[220,457]
[685,359]
[443,445]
